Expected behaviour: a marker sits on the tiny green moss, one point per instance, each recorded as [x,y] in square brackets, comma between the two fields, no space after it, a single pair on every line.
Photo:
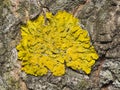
[54,45]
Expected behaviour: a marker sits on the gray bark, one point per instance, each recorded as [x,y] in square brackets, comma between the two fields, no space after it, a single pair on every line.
[102,20]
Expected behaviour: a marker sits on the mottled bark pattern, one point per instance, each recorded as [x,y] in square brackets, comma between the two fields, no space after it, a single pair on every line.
[100,17]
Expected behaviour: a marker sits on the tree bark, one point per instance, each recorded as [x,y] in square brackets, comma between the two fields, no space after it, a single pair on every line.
[100,17]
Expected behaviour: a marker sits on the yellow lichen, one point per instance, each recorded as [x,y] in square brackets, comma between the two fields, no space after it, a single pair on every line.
[54,45]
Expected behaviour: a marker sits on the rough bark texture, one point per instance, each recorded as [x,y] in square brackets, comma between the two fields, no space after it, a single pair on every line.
[100,17]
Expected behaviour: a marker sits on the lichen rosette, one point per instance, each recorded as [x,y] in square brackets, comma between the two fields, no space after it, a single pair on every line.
[54,42]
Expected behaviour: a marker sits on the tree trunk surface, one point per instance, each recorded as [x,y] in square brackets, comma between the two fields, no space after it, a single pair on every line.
[100,17]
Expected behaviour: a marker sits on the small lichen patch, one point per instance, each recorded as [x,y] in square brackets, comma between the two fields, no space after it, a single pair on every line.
[55,44]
